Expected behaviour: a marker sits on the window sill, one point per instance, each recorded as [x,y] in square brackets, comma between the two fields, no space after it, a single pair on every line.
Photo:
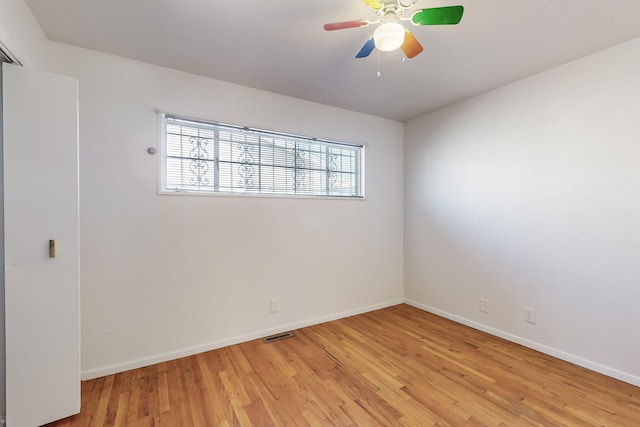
[259,195]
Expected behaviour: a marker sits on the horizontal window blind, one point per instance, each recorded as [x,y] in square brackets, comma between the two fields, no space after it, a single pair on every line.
[212,157]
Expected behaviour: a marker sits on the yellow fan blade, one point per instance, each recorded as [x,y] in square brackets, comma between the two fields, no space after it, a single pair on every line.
[373,4]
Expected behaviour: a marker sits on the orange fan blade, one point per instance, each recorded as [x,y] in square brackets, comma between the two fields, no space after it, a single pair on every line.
[411,46]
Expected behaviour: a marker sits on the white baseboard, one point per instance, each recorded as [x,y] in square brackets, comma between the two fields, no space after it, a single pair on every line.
[571,358]
[139,363]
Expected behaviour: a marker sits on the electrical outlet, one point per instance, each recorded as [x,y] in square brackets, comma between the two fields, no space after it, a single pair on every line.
[274,305]
[484,305]
[529,315]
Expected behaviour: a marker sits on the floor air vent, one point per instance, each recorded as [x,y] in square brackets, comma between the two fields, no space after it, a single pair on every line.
[278,337]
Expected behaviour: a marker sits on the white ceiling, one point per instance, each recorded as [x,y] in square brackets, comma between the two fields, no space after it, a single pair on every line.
[280,45]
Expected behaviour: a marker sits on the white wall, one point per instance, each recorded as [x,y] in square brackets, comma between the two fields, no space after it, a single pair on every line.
[3,352]
[20,33]
[526,196]
[530,196]
[165,275]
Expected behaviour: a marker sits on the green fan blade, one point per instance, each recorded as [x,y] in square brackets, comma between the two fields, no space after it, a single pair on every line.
[449,15]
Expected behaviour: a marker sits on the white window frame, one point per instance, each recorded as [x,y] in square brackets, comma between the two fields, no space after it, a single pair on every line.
[357,173]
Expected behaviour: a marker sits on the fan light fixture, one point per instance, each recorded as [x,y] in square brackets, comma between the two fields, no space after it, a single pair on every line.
[389,36]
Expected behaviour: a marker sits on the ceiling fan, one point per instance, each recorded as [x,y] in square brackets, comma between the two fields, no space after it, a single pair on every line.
[391,34]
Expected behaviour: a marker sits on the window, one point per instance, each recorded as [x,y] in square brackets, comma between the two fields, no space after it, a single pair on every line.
[202,157]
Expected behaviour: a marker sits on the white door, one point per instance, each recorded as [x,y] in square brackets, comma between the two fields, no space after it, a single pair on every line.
[42,293]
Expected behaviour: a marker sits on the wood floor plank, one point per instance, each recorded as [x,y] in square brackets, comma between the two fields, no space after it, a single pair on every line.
[398,366]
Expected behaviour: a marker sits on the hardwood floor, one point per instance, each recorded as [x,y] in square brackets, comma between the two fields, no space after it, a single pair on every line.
[398,366]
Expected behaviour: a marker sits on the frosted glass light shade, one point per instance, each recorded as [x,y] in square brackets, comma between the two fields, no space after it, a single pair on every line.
[389,36]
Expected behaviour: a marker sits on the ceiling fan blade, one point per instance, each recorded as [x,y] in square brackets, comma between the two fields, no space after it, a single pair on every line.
[373,4]
[411,46]
[366,50]
[449,15]
[345,25]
